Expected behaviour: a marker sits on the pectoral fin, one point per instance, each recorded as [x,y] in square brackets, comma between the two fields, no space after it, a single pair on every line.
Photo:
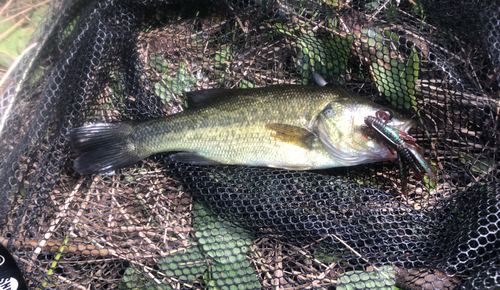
[292,134]
[193,158]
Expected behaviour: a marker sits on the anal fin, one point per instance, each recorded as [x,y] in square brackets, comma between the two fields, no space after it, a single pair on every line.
[193,158]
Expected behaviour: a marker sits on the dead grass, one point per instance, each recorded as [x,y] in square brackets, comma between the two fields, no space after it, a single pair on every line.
[19,12]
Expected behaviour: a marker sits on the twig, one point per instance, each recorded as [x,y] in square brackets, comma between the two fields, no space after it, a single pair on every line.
[278,271]
[56,222]
[72,245]
[60,278]
[463,98]
[243,27]
[24,11]
[327,267]
[354,251]
[246,69]
[134,221]
[213,27]
[380,9]
[11,101]
[54,263]
[8,31]
[165,85]
[5,7]
[469,63]
[146,269]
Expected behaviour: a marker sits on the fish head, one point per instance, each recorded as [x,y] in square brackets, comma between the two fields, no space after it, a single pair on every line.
[342,130]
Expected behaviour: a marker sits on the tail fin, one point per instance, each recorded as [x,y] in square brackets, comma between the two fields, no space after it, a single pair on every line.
[103,147]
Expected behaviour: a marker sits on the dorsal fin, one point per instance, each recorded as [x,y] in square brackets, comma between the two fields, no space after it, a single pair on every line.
[198,98]
[319,80]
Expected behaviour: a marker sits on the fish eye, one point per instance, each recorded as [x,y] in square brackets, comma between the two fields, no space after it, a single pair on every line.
[328,111]
[385,115]
[390,114]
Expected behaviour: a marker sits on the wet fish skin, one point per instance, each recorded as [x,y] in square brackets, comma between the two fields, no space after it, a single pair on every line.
[286,126]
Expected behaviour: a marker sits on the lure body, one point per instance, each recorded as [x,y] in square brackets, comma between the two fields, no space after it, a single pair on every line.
[408,152]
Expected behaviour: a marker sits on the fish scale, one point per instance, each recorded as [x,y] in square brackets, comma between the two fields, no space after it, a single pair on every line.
[282,126]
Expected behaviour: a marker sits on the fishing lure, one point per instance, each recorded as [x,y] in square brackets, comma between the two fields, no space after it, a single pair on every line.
[408,152]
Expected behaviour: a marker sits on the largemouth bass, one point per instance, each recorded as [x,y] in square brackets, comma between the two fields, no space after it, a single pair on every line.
[286,126]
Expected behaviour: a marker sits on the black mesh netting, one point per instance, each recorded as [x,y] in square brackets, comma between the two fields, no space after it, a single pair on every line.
[164,225]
